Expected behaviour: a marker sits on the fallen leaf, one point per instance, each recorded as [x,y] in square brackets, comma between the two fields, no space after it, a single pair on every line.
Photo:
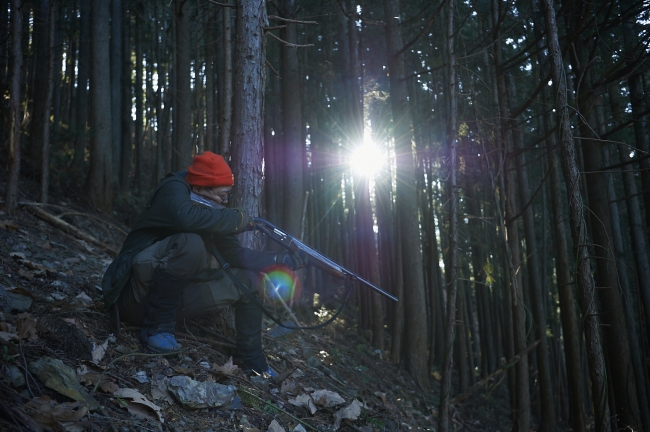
[275,427]
[7,224]
[8,336]
[138,404]
[99,351]
[228,368]
[49,413]
[326,398]
[46,245]
[350,412]
[305,401]
[17,255]
[382,396]
[290,386]
[83,299]
[184,371]
[26,274]
[26,327]
[108,386]
[159,391]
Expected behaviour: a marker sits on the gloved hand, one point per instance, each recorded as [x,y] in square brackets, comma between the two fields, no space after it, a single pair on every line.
[246,222]
[293,260]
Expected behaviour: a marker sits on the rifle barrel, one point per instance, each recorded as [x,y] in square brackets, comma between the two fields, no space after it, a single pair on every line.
[317,259]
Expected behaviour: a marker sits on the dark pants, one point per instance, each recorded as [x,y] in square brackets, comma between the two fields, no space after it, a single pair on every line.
[184,256]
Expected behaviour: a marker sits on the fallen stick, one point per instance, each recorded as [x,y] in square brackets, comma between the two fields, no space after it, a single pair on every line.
[64,226]
[513,361]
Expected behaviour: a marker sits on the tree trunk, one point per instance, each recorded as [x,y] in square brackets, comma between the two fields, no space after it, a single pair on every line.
[293,148]
[547,415]
[248,112]
[139,102]
[521,395]
[100,180]
[182,144]
[47,108]
[210,42]
[125,114]
[452,261]
[81,135]
[613,309]
[15,96]
[225,98]
[586,285]
[116,87]
[414,298]
[568,316]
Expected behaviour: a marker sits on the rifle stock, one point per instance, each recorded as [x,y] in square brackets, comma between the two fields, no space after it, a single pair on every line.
[317,259]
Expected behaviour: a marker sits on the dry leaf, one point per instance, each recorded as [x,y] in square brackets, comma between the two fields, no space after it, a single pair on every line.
[290,386]
[326,398]
[18,255]
[7,224]
[108,386]
[184,371]
[48,412]
[227,369]
[382,396]
[138,404]
[26,327]
[46,246]
[8,336]
[275,427]
[304,400]
[350,412]
[99,351]
[26,274]
[83,299]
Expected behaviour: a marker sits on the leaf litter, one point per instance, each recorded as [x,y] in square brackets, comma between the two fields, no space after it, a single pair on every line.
[61,368]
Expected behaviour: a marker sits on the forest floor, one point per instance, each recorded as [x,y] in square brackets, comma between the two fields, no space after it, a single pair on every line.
[51,308]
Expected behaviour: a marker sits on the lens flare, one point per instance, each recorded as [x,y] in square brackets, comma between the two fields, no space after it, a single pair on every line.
[281,281]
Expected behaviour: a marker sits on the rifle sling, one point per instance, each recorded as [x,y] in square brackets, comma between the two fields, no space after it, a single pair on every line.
[243,288]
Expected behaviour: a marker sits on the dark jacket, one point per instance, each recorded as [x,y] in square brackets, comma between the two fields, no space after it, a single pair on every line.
[171,211]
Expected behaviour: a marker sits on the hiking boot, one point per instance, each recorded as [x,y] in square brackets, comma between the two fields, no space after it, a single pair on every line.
[163,343]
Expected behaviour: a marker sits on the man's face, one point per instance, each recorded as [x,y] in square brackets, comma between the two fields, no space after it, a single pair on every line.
[218,194]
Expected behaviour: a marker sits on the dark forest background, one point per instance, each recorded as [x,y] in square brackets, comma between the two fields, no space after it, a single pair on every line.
[511,207]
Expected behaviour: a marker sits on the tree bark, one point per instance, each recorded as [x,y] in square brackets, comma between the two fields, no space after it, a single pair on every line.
[293,148]
[248,108]
[414,299]
[586,285]
[100,179]
[116,87]
[47,107]
[81,134]
[182,143]
[226,96]
[547,415]
[139,101]
[15,96]
[452,260]
[125,115]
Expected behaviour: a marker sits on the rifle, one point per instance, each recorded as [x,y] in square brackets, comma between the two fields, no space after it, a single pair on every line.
[316,258]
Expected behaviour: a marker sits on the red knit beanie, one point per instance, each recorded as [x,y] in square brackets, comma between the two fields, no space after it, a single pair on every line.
[209,170]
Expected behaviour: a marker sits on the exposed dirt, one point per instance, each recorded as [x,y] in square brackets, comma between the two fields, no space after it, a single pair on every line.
[66,321]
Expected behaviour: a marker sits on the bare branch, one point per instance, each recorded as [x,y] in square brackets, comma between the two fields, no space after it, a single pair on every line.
[272,68]
[288,43]
[289,20]
[275,28]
